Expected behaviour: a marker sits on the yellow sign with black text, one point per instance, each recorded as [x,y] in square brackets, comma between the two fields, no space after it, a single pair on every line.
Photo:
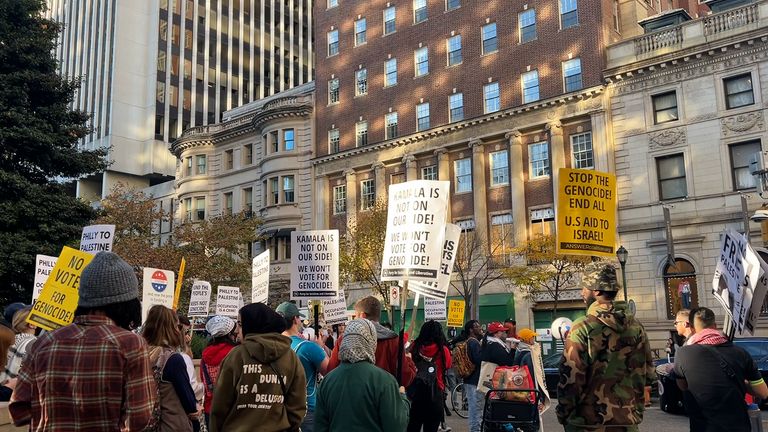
[58,301]
[456,313]
[586,213]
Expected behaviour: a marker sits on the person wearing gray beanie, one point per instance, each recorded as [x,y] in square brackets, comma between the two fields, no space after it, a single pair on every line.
[358,395]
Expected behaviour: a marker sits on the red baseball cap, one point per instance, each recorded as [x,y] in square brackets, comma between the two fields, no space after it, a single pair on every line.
[495,327]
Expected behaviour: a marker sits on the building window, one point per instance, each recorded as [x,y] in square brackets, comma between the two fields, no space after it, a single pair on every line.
[333,141]
[739,91]
[288,188]
[583,156]
[422,117]
[501,238]
[421,58]
[569,15]
[572,74]
[228,203]
[361,82]
[456,106]
[189,166]
[530,82]
[680,286]
[367,194]
[248,154]
[333,42]
[333,3]
[361,133]
[273,138]
[390,72]
[672,182]
[740,154]
[452,4]
[229,159]
[200,208]
[333,91]
[397,178]
[201,164]
[542,221]
[491,97]
[188,209]
[389,20]
[339,199]
[527,25]
[616,20]
[538,156]
[462,169]
[360,31]
[454,50]
[289,140]
[248,200]
[419,11]
[490,40]
[499,168]
[664,107]
[390,125]
[429,172]
[274,190]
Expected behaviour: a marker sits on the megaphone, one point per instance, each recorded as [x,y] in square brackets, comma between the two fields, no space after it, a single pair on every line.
[560,327]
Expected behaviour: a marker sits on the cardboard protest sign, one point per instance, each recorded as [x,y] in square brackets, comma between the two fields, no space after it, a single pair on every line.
[335,310]
[315,264]
[43,266]
[434,309]
[56,305]
[439,288]
[200,299]
[456,313]
[415,231]
[228,301]
[586,213]
[260,278]
[158,289]
[97,238]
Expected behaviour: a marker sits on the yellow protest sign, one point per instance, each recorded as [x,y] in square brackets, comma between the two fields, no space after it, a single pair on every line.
[455,313]
[586,213]
[58,301]
[177,292]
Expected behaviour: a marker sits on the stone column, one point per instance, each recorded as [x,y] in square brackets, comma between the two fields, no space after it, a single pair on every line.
[444,174]
[320,202]
[479,192]
[351,178]
[517,186]
[557,156]
[411,172]
[600,149]
[380,173]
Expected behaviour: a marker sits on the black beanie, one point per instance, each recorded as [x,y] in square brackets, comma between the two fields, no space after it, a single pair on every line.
[258,318]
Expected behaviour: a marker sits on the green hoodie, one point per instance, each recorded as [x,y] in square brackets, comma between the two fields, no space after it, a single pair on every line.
[248,393]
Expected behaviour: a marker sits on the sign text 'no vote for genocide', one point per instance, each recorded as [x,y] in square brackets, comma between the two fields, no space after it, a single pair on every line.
[586,213]
[415,230]
[314,264]
[439,289]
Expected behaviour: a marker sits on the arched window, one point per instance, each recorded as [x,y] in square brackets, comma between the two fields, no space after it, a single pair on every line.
[680,287]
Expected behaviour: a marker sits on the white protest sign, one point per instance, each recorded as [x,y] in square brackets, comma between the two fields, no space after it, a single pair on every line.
[737,272]
[434,309]
[439,288]
[260,278]
[758,296]
[335,311]
[415,230]
[228,301]
[158,289]
[200,299]
[314,264]
[97,238]
[43,266]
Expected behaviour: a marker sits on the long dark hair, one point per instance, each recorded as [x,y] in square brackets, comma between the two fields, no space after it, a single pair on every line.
[431,333]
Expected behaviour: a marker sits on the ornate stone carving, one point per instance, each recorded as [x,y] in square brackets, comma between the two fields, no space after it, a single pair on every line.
[409,159]
[377,165]
[514,136]
[667,138]
[476,145]
[741,123]
[703,117]
[555,128]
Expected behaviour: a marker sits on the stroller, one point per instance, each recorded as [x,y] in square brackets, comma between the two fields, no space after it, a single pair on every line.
[501,415]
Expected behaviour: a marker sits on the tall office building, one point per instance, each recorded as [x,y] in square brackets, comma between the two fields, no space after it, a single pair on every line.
[152,68]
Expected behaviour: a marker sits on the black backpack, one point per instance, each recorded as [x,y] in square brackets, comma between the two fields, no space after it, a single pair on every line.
[424,386]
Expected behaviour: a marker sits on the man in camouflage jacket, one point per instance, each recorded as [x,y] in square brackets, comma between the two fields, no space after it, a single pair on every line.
[606,364]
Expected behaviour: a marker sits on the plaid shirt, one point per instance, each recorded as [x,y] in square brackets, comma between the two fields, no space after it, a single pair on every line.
[88,376]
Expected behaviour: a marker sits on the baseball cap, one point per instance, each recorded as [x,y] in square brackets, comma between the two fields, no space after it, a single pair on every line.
[495,327]
[288,310]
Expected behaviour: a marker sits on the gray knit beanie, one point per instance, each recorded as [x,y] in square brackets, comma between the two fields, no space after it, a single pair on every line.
[107,279]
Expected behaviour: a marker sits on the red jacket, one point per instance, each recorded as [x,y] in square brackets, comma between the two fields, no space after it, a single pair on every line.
[386,355]
[212,358]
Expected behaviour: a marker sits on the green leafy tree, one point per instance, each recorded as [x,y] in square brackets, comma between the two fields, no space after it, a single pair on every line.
[39,153]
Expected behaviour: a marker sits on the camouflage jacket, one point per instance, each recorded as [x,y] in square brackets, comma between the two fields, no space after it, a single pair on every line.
[605,366]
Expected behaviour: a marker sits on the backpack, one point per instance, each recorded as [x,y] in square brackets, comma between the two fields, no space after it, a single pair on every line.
[462,364]
[424,386]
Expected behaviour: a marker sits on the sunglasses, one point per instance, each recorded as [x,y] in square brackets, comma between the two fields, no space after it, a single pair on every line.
[681,322]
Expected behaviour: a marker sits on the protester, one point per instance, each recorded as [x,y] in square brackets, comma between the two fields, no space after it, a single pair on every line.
[261,384]
[716,372]
[471,353]
[312,355]
[93,374]
[432,357]
[529,354]
[683,326]
[607,362]
[25,336]
[387,345]
[512,339]
[7,384]
[357,395]
[223,332]
[494,348]
[10,311]
[178,404]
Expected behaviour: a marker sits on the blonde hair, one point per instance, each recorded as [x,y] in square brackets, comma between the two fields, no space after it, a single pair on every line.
[20,319]
[161,328]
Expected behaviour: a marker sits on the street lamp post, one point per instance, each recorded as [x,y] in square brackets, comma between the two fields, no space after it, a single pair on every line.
[621,255]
